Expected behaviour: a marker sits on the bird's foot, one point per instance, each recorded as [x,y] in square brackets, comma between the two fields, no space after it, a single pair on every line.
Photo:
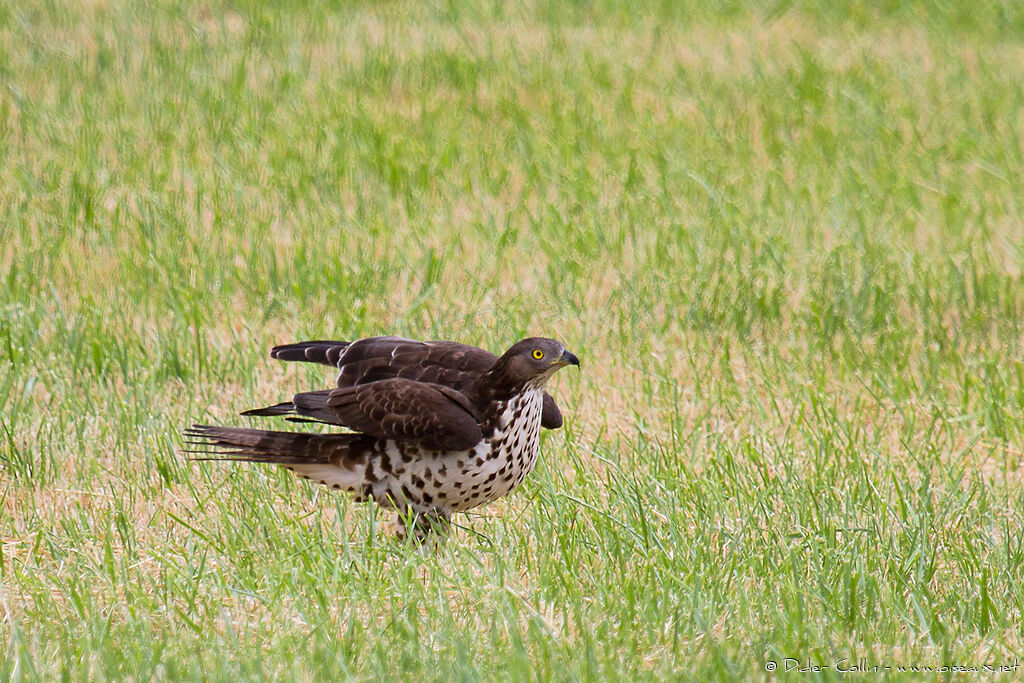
[423,526]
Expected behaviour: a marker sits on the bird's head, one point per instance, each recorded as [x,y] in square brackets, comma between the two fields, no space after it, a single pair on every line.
[532,361]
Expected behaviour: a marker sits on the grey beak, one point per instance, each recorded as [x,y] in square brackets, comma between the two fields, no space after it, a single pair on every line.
[569,358]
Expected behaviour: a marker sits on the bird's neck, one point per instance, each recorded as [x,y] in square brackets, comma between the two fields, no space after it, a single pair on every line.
[497,384]
[505,415]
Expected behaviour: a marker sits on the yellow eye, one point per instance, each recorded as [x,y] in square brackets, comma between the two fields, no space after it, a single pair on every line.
[538,354]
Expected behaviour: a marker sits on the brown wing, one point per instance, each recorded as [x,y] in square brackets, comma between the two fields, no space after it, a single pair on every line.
[446,363]
[431,415]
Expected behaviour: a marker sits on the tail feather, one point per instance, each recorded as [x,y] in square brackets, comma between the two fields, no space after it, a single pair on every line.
[261,445]
[336,460]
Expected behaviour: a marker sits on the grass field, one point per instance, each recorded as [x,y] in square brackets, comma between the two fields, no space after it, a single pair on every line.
[786,241]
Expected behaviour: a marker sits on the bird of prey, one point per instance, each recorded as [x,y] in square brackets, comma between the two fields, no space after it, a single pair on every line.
[437,427]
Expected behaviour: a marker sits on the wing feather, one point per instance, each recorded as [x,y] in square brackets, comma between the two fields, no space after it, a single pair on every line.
[432,415]
[446,363]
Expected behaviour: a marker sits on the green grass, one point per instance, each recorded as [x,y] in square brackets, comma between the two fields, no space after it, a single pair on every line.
[786,241]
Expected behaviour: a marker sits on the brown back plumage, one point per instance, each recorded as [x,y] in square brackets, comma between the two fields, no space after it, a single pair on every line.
[446,363]
[430,415]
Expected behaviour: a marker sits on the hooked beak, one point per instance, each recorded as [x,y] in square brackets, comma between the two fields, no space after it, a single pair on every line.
[568,358]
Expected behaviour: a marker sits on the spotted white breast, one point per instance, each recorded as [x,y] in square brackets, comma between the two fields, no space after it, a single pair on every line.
[503,459]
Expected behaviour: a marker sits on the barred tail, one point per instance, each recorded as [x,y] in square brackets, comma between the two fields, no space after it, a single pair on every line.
[335,460]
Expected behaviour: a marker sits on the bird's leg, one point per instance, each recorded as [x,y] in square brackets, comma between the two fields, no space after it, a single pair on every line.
[431,524]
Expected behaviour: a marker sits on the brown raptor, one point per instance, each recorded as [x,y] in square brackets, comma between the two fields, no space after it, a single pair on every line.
[437,427]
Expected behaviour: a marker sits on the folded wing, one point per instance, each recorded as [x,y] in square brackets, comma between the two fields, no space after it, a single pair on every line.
[431,415]
[445,363]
